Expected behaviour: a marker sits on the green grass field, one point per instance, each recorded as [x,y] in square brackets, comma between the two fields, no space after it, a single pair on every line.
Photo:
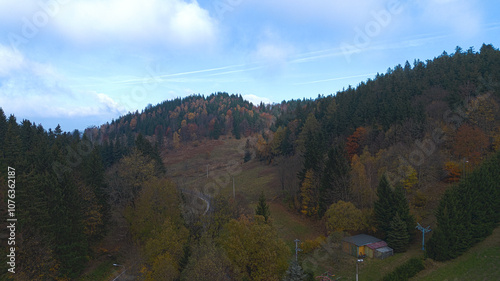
[481,262]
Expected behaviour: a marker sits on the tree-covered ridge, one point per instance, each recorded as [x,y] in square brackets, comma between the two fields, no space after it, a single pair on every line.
[189,119]
[405,98]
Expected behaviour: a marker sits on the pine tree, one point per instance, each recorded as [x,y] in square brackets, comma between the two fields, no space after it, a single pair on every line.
[384,208]
[403,209]
[335,183]
[397,237]
[295,272]
[3,131]
[12,150]
[262,207]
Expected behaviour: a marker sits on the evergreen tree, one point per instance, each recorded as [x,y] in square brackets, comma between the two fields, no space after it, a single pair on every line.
[295,272]
[467,212]
[397,237]
[403,210]
[384,208]
[262,207]
[3,131]
[336,179]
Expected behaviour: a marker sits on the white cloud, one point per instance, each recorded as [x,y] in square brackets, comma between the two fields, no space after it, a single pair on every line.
[10,60]
[271,54]
[460,16]
[256,100]
[325,11]
[172,22]
[29,88]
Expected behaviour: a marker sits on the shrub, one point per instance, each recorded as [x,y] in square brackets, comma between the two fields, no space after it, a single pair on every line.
[406,270]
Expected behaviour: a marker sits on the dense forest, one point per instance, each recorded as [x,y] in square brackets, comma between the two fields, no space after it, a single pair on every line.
[370,159]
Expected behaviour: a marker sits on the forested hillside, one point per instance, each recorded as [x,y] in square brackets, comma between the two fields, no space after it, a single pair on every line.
[382,154]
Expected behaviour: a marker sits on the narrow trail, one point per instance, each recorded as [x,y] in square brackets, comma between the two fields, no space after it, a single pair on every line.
[199,195]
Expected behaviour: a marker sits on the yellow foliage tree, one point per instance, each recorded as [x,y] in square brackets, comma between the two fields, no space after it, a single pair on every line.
[263,149]
[309,195]
[176,139]
[126,178]
[157,202]
[254,249]
[410,179]
[163,268]
[156,222]
[278,138]
[344,216]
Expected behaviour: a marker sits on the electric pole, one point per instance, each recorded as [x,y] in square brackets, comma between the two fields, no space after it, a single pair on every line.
[424,230]
[297,249]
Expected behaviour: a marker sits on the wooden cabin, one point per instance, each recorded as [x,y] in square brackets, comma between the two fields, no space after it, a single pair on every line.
[366,245]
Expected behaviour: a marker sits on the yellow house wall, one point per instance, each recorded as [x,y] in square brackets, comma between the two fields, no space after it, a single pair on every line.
[369,252]
[361,250]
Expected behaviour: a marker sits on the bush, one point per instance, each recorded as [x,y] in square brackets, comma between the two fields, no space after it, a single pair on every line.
[406,270]
[309,245]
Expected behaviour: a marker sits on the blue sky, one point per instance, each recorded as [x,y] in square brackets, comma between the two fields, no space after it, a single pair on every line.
[80,63]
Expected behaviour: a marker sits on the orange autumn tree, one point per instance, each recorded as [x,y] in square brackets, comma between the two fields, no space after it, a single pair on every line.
[454,171]
[470,143]
[355,140]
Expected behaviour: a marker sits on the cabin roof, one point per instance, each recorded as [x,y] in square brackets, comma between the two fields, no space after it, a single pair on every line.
[361,239]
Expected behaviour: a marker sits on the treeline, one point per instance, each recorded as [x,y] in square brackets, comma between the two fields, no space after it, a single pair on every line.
[61,205]
[468,212]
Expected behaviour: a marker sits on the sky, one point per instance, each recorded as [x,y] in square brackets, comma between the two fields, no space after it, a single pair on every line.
[81,63]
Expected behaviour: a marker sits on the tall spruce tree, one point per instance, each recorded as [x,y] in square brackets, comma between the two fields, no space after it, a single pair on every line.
[403,210]
[336,179]
[397,237]
[384,208]
[389,203]
[262,207]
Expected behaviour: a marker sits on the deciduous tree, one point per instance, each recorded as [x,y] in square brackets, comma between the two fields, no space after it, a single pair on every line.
[254,249]
[344,216]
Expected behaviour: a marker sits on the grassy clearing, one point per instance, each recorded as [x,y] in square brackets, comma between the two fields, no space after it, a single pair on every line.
[481,262]
[225,161]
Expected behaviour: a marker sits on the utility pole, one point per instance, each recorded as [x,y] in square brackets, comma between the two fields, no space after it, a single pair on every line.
[234,192]
[297,249]
[424,230]
[357,265]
